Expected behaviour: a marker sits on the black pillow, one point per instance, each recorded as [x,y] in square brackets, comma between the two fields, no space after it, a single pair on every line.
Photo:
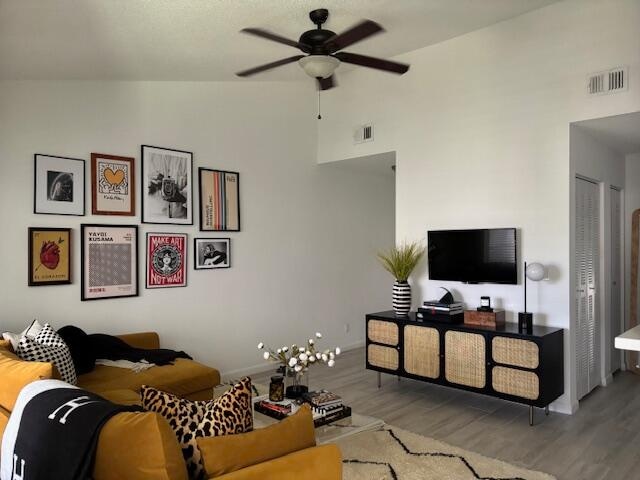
[84,359]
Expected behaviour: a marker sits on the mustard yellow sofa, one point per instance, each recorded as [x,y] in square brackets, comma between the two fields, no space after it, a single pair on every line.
[142,446]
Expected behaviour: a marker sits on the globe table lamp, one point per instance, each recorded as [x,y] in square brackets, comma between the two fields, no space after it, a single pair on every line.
[535,273]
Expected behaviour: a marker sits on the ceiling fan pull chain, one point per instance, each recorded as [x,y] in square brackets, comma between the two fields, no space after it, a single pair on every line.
[319,116]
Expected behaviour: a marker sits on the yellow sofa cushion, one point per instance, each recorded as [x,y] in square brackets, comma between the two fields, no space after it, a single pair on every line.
[16,373]
[138,446]
[122,397]
[228,453]
[182,378]
[323,462]
[6,345]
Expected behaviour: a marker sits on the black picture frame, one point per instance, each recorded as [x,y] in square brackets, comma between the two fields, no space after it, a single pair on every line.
[66,268]
[231,201]
[149,260]
[198,264]
[160,219]
[43,205]
[83,268]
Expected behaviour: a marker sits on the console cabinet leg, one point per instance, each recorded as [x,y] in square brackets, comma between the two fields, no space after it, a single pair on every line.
[531,416]
[546,410]
[379,380]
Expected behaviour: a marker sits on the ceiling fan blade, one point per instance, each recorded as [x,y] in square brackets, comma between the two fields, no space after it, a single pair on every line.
[258,32]
[372,62]
[267,66]
[326,83]
[354,34]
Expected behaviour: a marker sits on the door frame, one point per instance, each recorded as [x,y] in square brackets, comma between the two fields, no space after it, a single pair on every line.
[621,278]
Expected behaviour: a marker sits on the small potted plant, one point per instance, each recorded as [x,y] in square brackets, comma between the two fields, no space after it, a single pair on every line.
[400,261]
[295,362]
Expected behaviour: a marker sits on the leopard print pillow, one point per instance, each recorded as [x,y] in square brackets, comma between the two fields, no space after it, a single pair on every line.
[227,414]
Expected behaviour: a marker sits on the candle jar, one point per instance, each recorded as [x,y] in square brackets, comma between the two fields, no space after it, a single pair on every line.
[276,389]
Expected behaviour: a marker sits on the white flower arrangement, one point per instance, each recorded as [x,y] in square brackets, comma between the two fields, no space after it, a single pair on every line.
[299,359]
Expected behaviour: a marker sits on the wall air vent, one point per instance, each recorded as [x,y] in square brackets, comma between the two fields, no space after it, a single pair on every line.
[609,81]
[364,133]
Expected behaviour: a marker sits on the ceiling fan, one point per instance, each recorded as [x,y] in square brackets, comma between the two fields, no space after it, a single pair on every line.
[322,49]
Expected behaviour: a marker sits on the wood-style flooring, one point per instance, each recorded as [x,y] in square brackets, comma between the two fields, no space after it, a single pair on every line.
[601,441]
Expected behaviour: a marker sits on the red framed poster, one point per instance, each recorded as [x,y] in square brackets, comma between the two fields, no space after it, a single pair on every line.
[166,260]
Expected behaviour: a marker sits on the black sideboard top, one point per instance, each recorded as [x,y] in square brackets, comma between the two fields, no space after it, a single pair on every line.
[510,328]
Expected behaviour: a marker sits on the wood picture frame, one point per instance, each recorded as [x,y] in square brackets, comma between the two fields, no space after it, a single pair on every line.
[113,188]
[211,253]
[49,256]
[167,186]
[166,260]
[58,185]
[219,192]
[109,261]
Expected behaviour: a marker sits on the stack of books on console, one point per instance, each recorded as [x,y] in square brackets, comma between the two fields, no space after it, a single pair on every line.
[436,311]
[326,406]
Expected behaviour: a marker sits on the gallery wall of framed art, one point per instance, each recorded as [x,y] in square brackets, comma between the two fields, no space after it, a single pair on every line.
[109,259]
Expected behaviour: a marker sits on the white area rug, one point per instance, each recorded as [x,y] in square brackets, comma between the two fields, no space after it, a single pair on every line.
[395,454]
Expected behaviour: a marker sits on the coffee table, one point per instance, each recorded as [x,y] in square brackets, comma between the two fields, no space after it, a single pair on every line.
[331,432]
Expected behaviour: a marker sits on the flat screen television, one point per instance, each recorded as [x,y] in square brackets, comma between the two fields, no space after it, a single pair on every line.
[473,256]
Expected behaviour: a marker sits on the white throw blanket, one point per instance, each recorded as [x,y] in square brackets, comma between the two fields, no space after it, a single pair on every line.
[136,367]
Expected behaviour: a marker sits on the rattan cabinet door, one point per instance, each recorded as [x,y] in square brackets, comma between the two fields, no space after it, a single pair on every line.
[519,383]
[465,358]
[380,331]
[422,351]
[383,357]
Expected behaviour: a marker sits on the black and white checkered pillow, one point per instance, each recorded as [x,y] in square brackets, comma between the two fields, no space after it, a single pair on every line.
[48,346]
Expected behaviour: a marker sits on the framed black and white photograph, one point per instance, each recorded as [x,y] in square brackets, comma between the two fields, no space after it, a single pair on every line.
[167,185]
[58,185]
[212,253]
[109,261]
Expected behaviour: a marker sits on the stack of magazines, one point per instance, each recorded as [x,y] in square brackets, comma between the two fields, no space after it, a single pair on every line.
[437,311]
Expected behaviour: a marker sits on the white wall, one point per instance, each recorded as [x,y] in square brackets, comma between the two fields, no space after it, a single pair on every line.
[303,261]
[480,127]
[596,161]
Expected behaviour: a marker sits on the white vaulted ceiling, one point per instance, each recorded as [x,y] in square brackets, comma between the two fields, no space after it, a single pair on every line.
[199,39]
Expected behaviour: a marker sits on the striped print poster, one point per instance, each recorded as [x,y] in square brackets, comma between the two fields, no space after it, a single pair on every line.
[219,200]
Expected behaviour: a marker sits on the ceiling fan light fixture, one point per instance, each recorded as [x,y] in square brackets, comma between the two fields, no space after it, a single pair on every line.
[319,66]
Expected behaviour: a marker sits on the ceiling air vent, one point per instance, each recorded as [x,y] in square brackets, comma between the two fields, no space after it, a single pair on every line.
[364,133]
[610,81]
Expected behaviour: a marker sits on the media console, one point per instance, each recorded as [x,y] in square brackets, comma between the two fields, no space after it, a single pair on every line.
[502,362]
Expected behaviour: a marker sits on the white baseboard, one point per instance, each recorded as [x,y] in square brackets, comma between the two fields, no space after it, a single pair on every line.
[608,380]
[265,366]
[564,406]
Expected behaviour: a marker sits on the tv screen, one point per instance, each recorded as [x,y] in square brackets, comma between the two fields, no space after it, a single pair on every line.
[473,256]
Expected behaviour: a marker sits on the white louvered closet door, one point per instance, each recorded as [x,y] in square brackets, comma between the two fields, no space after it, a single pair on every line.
[587,260]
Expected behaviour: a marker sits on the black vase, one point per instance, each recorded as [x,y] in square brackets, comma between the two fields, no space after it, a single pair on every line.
[293,392]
